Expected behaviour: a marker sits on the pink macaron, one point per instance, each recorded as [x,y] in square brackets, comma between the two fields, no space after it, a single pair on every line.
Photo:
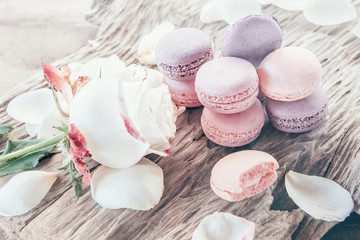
[233,130]
[243,174]
[183,93]
[227,85]
[180,53]
[289,74]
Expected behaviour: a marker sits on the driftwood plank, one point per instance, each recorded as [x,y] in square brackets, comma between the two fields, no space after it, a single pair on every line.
[331,150]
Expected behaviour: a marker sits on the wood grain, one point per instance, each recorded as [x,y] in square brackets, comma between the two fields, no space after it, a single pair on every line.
[331,151]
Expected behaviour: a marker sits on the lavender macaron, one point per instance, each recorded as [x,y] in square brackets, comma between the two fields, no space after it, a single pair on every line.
[180,53]
[227,85]
[252,38]
[298,116]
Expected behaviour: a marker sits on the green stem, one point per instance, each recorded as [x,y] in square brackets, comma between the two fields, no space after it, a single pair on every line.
[58,138]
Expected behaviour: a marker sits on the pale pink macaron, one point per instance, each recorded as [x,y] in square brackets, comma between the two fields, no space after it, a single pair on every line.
[183,93]
[227,85]
[233,130]
[243,174]
[289,74]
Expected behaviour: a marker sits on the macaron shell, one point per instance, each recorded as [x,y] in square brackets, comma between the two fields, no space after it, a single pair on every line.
[233,130]
[298,116]
[227,85]
[289,74]
[243,174]
[183,93]
[180,53]
[252,38]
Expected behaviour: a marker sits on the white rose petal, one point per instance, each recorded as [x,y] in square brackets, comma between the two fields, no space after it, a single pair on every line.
[24,191]
[319,197]
[149,104]
[112,67]
[221,225]
[31,107]
[47,128]
[147,44]
[32,129]
[97,112]
[138,187]
[329,12]
[356,30]
[233,10]
[291,5]
[210,13]
[91,69]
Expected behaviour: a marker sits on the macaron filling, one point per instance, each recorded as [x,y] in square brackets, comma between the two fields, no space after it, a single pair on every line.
[230,139]
[250,183]
[232,103]
[188,69]
[296,124]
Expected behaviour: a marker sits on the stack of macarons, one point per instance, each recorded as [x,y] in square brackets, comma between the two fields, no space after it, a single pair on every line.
[253,64]
[179,55]
[228,87]
[290,78]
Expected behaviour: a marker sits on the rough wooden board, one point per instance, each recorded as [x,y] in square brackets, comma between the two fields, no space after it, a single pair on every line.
[330,151]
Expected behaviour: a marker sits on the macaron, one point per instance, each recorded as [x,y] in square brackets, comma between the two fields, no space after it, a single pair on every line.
[183,93]
[181,52]
[227,85]
[243,174]
[290,74]
[252,38]
[298,116]
[233,130]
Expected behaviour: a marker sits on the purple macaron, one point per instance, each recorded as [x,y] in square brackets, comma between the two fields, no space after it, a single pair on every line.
[252,38]
[298,116]
[180,53]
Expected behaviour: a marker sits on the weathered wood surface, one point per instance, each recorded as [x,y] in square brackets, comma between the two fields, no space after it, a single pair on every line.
[331,150]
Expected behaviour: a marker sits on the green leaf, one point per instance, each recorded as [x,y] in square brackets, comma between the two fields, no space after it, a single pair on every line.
[5,129]
[25,162]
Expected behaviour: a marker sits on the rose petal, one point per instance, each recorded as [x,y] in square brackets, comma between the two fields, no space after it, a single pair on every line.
[32,129]
[24,191]
[290,5]
[221,225]
[266,2]
[75,68]
[149,102]
[147,44]
[31,107]
[96,112]
[112,67]
[356,30]
[329,12]
[59,79]
[210,13]
[91,69]
[233,10]
[319,197]
[47,127]
[138,187]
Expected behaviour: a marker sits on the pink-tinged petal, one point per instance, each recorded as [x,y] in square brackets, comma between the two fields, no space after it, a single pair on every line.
[31,107]
[79,84]
[66,72]
[57,80]
[96,112]
[79,152]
